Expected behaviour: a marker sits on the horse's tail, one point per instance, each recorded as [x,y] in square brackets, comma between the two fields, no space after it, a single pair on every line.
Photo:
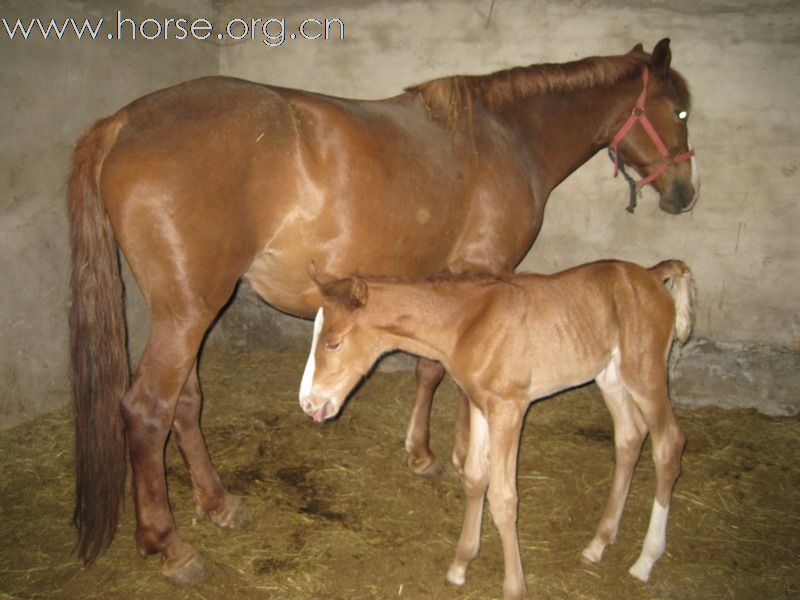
[99,357]
[679,281]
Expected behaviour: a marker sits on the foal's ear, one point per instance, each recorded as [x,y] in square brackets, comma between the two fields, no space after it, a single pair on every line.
[358,291]
[661,57]
[637,48]
[318,276]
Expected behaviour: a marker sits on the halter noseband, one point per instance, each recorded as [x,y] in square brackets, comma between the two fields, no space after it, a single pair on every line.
[637,114]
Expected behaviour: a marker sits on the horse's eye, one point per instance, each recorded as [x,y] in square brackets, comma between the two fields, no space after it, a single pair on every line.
[333,346]
[682,114]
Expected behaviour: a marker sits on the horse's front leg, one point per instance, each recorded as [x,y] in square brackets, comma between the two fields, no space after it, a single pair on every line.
[420,458]
[505,424]
[211,500]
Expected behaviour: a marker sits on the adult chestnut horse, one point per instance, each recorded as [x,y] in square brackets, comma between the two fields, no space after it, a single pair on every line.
[508,341]
[217,179]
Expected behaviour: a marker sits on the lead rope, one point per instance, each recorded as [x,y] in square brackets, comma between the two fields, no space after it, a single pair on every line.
[631,183]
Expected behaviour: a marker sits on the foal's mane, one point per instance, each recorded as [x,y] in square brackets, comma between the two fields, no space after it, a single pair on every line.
[448,98]
[340,290]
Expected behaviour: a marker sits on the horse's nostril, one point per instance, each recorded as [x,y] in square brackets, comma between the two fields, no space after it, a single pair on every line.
[680,198]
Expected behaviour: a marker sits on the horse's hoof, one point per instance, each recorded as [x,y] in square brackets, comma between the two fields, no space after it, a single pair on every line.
[427,467]
[188,572]
[234,515]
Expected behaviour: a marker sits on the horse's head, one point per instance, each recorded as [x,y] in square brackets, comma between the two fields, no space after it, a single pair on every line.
[342,349]
[654,138]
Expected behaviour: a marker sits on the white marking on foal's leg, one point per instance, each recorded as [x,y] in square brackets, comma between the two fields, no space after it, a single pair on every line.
[308,375]
[654,543]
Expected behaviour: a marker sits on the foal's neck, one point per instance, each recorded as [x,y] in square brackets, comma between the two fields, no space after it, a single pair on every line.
[425,319]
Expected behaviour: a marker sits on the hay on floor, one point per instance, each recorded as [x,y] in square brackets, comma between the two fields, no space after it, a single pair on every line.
[338,514]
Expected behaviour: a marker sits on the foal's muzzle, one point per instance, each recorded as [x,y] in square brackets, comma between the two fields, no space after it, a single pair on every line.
[319,411]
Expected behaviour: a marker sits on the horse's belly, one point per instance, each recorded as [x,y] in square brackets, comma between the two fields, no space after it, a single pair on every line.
[283,283]
[280,272]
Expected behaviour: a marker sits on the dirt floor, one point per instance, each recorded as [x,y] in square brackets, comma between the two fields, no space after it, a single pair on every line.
[338,514]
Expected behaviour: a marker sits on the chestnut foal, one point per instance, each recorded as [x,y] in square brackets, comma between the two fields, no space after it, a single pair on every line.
[508,341]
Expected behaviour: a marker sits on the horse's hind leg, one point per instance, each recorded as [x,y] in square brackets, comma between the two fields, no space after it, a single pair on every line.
[650,395]
[420,458]
[211,500]
[629,434]
[148,410]
[668,444]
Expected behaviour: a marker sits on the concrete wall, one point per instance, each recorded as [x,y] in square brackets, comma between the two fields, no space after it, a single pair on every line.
[742,60]
[50,91]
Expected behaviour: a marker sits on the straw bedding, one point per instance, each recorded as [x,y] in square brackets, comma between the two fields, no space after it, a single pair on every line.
[338,514]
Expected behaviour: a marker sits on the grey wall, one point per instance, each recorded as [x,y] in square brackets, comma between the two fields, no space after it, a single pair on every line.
[50,91]
[742,59]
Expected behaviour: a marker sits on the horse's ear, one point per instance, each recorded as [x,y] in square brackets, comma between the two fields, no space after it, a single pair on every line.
[358,291]
[637,48]
[661,57]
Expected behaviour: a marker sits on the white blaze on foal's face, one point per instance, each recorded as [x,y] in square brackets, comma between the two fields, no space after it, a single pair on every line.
[308,374]
[324,383]
[341,353]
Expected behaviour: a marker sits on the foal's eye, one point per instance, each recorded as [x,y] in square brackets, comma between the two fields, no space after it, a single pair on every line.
[682,114]
[333,346]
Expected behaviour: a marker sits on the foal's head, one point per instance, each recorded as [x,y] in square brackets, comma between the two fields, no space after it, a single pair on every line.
[342,350]
[664,158]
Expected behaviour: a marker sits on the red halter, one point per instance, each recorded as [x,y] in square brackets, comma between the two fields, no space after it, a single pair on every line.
[637,114]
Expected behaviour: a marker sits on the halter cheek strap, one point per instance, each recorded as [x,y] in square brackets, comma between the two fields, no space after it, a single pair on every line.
[638,115]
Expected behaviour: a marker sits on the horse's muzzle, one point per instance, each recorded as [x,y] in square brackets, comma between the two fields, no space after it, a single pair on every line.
[681,198]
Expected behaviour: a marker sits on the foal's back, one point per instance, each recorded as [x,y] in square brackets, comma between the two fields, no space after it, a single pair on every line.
[561,330]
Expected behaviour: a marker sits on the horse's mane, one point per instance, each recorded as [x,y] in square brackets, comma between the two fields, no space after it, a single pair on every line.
[448,98]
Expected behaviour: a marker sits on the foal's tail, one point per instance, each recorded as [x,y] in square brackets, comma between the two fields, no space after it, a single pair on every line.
[99,358]
[680,283]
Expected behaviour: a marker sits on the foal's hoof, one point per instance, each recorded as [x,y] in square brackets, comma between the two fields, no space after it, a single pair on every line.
[187,572]
[456,575]
[591,555]
[427,466]
[234,515]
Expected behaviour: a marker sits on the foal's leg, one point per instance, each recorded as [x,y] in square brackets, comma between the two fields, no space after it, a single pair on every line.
[211,500]
[421,460]
[505,424]
[461,441]
[475,480]
[629,433]
[148,410]
[668,442]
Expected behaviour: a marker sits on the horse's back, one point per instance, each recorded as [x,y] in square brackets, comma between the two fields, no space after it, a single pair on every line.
[218,177]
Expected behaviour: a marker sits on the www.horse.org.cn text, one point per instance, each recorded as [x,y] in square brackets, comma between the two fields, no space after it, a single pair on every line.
[272,31]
